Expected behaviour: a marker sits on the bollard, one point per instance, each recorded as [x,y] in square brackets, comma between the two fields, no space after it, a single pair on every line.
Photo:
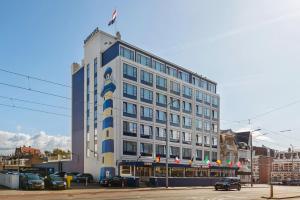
[271,191]
[86,181]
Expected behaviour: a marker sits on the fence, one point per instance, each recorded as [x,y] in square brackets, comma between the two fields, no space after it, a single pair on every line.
[10,180]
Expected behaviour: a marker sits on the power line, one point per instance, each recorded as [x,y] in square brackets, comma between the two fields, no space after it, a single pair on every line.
[33,90]
[36,110]
[34,102]
[35,78]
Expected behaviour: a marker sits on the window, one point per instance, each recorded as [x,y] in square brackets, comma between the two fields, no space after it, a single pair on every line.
[214,127]
[214,142]
[146,78]
[214,156]
[95,67]
[185,77]
[129,109]
[160,116]
[127,53]
[199,110]
[214,114]
[161,100]
[175,104]
[199,96]
[129,128]
[215,101]
[161,83]
[129,72]
[173,72]
[199,140]
[129,148]
[146,131]
[187,122]
[146,95]
[206,126]
[175,88]
[174,152]
[186,107]
[204,84]
[146,113]
[174,136]
[186,153]
[159,66]
[174,119]
[199,154]
[186,138]
[160,150]
[129,91]
[160,133]
[207,99]
[207,113]
[198,124]
[211,87]
[146,149]
[144,60]
[206,140]
[88,72]
[187,92]
[206,155]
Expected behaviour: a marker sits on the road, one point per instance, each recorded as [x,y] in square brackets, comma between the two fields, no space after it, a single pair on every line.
[152,194]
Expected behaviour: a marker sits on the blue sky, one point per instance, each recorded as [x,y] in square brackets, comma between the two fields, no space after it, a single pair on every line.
[251,48]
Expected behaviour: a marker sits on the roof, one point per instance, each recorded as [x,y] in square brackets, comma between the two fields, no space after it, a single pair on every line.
[242,137]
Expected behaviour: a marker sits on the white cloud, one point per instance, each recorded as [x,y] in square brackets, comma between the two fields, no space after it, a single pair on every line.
[10,140]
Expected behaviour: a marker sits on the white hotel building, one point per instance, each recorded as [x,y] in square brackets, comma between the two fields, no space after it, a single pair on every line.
[122,96]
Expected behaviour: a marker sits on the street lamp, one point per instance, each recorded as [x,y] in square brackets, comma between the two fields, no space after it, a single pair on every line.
[292,161]
[251,154]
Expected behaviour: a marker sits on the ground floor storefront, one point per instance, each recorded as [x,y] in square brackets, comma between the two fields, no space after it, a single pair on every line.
[179,174]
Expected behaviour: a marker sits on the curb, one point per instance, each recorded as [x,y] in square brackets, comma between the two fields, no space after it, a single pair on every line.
[292,197]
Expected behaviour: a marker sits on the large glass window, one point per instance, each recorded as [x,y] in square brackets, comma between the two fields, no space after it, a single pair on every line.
[146,131]
[199,96]
[198,124]
[199,110]
[127,53]
[129,148]
[174,119]
[146,95]
[185,77]
[186,153]
[214,114]
[144,60]
[146,78]
[215,101]
[198,154]
[174,152]
[146,149]
[161,83]
[206,113]
[207,99]
[160,150]
[161,100]
[214,156]
[146,113]
[214,127]
[186,122]
[160,116]
[206,126]
[199,140]
[160,133]
[186,107]
[129,72]
[186,137]
[173,72]
[214,142]
[206,140]
[129,128]
[175,87]
[129,109]
[187,92]
[175,104]
[174,136]
[159,66]
[206,155]
[129,91]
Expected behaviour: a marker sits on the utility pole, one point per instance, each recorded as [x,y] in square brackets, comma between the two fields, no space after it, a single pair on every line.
[167,147]
[292,162]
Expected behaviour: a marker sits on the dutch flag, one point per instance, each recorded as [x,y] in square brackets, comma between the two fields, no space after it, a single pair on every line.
[113,19]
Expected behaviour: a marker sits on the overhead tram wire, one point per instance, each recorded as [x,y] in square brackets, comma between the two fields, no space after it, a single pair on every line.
[34,78]
[33,90]
[35,110]
[34,102]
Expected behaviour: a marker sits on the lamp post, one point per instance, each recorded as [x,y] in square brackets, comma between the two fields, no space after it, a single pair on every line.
[292,177]
[251,154]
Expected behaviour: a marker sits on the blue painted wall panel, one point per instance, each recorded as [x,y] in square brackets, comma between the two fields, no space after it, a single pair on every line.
[110,53]
[108,122]
[108,146]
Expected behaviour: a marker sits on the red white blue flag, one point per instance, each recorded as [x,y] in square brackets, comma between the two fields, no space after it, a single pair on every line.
[113,19]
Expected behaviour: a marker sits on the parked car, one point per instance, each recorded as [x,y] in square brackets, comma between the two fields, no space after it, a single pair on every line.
[30,181]
[74,175]
[55,182]
[116,181]
[60,174]
[83,177]
[294,182]
[228,183]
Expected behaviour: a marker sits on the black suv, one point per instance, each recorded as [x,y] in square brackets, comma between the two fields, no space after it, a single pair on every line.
[228,183]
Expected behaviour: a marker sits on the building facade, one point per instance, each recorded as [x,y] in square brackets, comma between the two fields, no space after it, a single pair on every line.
[286,166]
[228,147]
[125,99]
